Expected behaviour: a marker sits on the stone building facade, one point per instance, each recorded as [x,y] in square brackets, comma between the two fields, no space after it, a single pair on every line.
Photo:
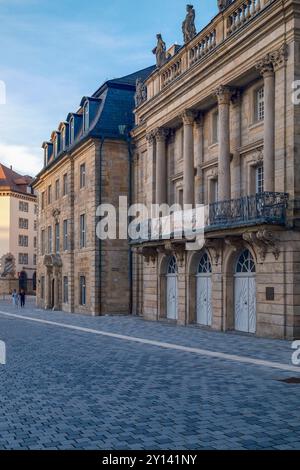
[219,127]
[18,232]
[86,163]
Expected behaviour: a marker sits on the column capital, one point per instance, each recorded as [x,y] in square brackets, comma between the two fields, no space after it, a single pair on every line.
[161,134]
[150,137]
[265,66]
[280,57]
[188,117]
[223,94]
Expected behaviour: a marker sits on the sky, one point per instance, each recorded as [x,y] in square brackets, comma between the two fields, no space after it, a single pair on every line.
[54,52]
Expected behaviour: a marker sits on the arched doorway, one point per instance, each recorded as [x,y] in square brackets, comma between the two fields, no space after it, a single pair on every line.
[23,281]
[204,292]
[172,289]
[245,293]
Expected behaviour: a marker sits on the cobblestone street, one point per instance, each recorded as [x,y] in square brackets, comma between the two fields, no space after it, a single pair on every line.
[67,385]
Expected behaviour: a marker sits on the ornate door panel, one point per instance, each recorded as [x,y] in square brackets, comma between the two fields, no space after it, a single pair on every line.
[204,300]
[172,297]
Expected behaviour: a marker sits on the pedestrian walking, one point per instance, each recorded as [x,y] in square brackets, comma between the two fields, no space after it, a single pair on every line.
[22,298]
[15,298]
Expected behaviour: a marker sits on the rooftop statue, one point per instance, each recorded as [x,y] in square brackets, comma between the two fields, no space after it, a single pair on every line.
[160,51]
[188,26]
[223,4]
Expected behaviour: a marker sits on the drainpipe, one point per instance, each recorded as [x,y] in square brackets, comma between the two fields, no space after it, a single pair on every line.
[130,257]
[100,241]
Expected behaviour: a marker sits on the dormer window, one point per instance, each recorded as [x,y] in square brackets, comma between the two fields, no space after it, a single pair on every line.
[86,117]
[45,155]
[55,147]
[63,138]
[72,130]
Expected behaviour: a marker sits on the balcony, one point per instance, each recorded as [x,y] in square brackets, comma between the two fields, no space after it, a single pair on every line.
[266,208]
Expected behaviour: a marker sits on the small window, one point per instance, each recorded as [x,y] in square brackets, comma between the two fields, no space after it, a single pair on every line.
[23,240]
[173,268]
[57,190]
[215,127]
[246,263]
[72,130]
[43,200]
[260,104]
[82,176]
[86,117]
[57,238]
[66,237]
[34,260]
[35,225]
[23,259]
[63,138]
[34,242]
[82,231]
[23,224]
[66,290]
[205,265]
[23,206]
[43,247]
[259,179]
[82,299]
[49,240]
[36,209]
[49,194]
[65,185]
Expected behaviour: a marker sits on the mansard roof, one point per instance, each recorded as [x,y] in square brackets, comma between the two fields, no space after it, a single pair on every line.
[113,105]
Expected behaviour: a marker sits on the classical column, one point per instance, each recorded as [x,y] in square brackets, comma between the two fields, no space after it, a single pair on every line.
[224,94]
[150,177]
[265,66]
[188,118]
[198,156]
[282,115]
[236,139]
[161,166]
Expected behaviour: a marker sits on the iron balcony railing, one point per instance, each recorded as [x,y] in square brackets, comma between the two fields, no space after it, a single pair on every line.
[264,208]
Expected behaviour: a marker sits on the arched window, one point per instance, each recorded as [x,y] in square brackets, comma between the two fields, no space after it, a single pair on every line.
[246,263]
[173,268]
[205,265]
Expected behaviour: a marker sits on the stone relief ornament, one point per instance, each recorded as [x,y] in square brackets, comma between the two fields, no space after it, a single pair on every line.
[7,266]
[141,93]
[188,26]
[160,51]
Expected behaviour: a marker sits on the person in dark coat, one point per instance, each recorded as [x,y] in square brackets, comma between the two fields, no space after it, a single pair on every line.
[22,298]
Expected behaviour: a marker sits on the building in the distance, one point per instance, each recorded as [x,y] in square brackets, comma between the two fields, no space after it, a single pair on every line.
[18,231]
[87,162]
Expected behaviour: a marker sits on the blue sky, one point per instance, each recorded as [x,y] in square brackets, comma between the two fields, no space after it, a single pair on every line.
[53,52]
